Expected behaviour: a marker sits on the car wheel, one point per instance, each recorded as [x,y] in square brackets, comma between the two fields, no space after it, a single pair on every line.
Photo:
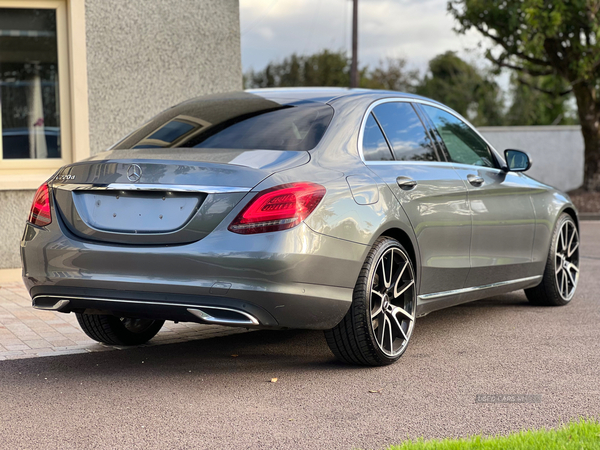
[377,328]
[561,274]
[114,330]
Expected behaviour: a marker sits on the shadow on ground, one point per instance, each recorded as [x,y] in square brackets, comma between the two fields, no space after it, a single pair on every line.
[265,349]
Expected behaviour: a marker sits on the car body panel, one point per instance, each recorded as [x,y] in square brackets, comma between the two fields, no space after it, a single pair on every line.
[549,203]
[503,226]
[204,167]
[439,214]
[288,282]
[172,201]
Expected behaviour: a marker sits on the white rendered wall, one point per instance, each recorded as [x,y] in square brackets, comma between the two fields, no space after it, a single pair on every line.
[557,151]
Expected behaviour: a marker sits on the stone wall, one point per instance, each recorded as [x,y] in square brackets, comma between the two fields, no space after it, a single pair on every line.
[145,56]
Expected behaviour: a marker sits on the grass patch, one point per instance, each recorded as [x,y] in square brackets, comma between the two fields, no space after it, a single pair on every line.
[584,434]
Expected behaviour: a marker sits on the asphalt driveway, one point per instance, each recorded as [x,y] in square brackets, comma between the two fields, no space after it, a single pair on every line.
[197,394]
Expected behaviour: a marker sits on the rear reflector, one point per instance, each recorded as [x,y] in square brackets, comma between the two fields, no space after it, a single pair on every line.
[40,209]
[278,208]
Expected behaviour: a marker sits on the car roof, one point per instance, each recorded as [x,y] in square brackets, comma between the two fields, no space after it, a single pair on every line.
[327,94]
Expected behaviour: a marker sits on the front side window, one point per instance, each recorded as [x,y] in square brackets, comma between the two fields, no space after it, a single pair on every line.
[405,132]
[29,84]
[463,144]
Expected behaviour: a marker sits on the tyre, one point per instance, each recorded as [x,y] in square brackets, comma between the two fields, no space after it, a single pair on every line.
[114,330]
[561,274]
[377,328]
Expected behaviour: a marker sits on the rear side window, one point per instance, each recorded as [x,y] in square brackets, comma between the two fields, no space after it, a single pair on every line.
[405,132]
[463,144]
[246,122]
[375,147]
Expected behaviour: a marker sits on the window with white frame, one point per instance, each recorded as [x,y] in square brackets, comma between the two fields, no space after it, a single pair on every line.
[34,85]
[29,84]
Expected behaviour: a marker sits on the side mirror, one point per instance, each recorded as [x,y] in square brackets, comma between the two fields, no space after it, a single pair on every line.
[517,161]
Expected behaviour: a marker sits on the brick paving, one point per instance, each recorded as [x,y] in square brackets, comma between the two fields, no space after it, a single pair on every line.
[26,332]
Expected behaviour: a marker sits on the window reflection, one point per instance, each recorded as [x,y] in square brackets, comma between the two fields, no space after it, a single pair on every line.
[463,144]
[173,133]
[30,118]
[375,148]
[405,132]
[235,121]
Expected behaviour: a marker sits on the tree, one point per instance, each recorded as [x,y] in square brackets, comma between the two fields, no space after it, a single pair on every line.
[531,105]
[391,74]
[469,91]
[547,37]
[325,68]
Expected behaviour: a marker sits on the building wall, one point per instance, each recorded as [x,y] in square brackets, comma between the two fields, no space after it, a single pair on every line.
[142,57]
[14,209]
[145,56]
[557,151]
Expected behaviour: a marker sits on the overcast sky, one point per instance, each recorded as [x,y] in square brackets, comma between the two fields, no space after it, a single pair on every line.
[416,30]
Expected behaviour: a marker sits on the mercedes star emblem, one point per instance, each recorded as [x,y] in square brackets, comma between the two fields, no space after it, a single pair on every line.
[134,172]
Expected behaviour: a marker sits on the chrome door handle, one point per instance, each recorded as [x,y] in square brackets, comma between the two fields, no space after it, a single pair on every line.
[475,180]
[406,183]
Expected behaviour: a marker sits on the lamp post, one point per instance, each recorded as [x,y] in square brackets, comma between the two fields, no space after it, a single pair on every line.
[354,65]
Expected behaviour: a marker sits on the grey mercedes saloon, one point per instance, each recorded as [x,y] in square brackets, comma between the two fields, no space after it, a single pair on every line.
[349,211]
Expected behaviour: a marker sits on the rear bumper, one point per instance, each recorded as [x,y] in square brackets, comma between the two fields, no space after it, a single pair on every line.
[291,279]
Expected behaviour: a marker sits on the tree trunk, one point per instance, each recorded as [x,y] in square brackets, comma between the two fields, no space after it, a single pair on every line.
[589,116]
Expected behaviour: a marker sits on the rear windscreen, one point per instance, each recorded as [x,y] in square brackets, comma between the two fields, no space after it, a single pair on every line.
[241,121]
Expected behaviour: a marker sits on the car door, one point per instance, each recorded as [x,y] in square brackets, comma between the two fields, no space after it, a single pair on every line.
[500,203]
[398,148]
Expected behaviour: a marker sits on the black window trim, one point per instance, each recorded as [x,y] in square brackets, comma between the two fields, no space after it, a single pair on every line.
[434,136]
[497,158]
[426,122]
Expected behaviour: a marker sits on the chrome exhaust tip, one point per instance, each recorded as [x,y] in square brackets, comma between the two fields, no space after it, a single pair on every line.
[223,316]
[49,303]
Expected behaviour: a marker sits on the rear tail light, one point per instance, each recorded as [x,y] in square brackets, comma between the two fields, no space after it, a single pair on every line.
[40,209]
[278,208]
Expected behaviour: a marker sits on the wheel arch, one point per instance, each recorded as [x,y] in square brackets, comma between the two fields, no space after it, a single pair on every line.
[410,244]
[571,212]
